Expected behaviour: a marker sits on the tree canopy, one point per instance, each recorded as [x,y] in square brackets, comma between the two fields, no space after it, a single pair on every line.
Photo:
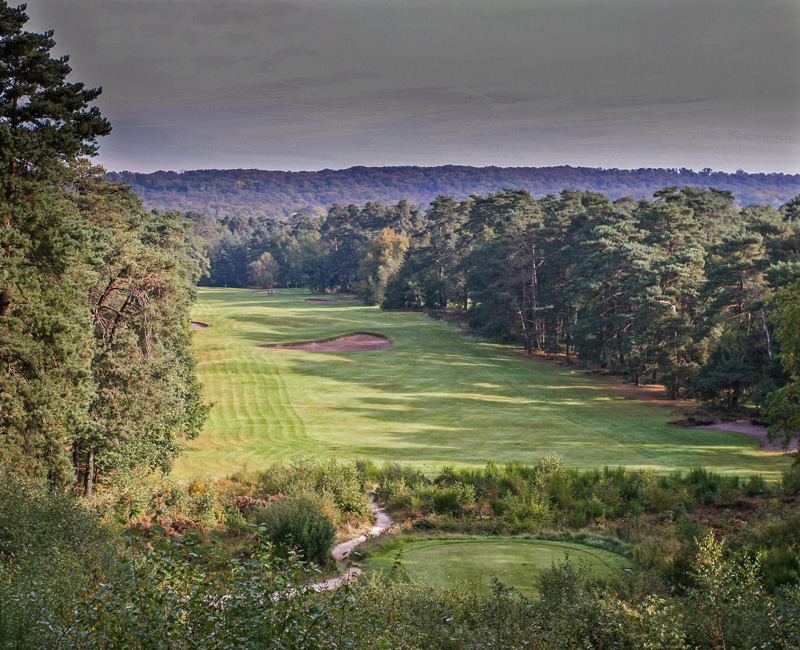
[96,371]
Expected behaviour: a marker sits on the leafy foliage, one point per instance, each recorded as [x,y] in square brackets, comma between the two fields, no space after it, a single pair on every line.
[97,372]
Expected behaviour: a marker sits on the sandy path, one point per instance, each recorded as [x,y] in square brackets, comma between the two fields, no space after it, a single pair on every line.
[341,551]
[752,430]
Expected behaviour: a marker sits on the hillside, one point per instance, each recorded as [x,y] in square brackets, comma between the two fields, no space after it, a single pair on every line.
[221,192]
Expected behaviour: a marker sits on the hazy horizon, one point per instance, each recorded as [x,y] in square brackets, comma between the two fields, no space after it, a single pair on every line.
[337,169]
[298,85]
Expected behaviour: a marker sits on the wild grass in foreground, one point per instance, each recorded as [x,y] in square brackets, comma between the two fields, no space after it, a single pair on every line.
[69,580]
[158,592]
[432,399]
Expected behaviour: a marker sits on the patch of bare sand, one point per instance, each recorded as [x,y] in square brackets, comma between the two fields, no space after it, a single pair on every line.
[752,430]
[355,342]
[197,325]
[317,301]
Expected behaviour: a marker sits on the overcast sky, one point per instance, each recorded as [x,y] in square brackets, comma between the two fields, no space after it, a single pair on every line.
[312,84]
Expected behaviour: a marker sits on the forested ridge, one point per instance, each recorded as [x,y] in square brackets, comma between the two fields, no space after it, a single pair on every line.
[684,288]
[226,192]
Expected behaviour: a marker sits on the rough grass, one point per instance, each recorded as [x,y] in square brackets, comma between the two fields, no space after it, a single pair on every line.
[516,562]
[432,399]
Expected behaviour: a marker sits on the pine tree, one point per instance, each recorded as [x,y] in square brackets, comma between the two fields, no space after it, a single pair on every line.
[46,124]
[96,370]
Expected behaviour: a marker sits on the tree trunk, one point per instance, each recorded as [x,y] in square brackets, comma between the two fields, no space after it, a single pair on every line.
[76,464]
[766,333]
[5,301]
[534,290]
[87,479]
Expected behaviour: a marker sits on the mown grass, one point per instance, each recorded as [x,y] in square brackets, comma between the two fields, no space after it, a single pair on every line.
[516,562]
[432,399]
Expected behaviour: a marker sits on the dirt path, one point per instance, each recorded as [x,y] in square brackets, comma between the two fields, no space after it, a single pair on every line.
[341,551]
[752,430]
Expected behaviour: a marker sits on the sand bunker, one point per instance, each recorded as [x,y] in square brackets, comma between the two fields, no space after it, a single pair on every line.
[355,342]
[197,325]
[752,430]
[317,301]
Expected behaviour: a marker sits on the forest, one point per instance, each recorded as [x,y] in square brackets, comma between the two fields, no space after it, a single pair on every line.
[242,192]
[99,394]
[684,289]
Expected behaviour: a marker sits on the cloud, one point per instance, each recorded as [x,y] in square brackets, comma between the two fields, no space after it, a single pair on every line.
[568,81]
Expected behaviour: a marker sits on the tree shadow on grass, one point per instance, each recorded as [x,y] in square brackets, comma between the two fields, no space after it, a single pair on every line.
[470,409]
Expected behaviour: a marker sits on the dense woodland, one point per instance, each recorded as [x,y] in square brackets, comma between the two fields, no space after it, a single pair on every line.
[99,548]
[683,289]
[231,192]
[97,371]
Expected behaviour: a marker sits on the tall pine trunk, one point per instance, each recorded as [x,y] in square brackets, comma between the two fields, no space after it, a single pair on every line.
[87,479]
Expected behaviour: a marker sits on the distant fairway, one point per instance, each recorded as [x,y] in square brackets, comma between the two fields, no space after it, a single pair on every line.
[516,562]
[432,399]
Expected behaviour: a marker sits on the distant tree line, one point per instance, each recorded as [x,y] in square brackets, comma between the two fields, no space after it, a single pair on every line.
[683,289]
[230,192]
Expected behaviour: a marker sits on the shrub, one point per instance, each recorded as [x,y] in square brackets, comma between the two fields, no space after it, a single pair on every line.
[754,486]
[344,483]
[204,505]
[445,501]
[235,522]
[530,511]
[610,496]
[466,495]
[791,480]
[353,504]
[126,495]
[394,471]
[302,521]
[395,493]
[178,500]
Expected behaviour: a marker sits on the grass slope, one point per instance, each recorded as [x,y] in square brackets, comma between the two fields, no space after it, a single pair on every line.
[515,562]
[434,398]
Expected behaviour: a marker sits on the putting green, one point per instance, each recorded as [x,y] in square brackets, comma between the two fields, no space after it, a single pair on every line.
[433,398]
[515,562]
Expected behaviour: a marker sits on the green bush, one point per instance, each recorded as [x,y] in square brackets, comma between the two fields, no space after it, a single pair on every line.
[394,471]
[353,504]
[755,485]
[446,502]
[791,480]
[204,505]
[301,522]
[529,512]
[343,483]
